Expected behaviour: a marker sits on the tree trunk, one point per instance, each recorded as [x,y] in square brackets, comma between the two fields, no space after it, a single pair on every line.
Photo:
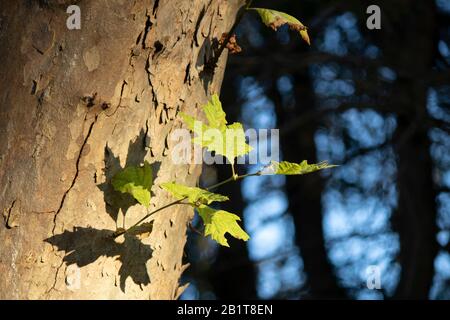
[76,107]
[412,58]
[305,195]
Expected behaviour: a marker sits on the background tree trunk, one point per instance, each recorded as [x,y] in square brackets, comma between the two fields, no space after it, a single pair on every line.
[78,105]
[305,194]
[416,216]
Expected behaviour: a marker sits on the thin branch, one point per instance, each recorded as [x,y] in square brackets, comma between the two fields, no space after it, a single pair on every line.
[121,232]
[180,201]
[212,63]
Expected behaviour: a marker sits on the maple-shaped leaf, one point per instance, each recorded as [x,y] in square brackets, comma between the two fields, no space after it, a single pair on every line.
[195,196]
[289,168]
[217,136]
[235,145]
[275,19]
[136,181]
[215,114]
[219,222]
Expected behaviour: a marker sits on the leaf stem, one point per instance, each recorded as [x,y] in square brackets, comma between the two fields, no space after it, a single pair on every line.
[117,234]
[233,171]
[233,178]
[220,183]
[213,61]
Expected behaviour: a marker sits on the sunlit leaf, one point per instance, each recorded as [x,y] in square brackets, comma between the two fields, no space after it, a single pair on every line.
[219,222]
[235,141]
[136,181]
[195,196]
[289,168]
[275,19]
[215,114]
[217,136]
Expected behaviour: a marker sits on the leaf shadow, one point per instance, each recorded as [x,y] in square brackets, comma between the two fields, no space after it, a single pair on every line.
[205,56]
[116,201]
[84,245]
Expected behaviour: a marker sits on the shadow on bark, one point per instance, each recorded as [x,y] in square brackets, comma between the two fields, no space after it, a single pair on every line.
[83,246]
[114,200]
[205,55]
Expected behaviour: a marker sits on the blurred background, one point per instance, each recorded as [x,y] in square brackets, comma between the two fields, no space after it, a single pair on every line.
[375,102]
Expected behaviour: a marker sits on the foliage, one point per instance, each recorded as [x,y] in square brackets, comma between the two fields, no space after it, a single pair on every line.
[217,136]
[194,196]
[219,222]
[222,138]
[289,168]
[138,180]
[275,19]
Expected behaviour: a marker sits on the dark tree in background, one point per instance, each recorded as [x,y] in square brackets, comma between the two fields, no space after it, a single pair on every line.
[376,102]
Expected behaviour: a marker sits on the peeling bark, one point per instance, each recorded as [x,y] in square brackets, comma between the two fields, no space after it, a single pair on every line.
[76,106]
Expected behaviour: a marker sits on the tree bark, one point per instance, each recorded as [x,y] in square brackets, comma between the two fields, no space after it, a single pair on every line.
[76,107]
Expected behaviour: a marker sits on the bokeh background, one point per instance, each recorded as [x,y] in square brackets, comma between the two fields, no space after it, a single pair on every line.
[375,102]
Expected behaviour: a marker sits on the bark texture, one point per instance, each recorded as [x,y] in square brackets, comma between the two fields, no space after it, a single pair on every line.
[76,106]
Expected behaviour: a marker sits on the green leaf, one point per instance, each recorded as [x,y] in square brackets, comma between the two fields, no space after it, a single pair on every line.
[275,19]
[215,114]
[136,181]
[217,136]
[235,145]
[195,196]
[289,168]
[219,222]
[191,122]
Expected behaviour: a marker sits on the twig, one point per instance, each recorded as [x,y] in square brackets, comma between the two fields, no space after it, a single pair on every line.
[117,234]
[180,201]
[212,63]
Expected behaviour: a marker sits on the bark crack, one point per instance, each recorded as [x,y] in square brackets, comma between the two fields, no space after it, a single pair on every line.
[149,74]
[148,25]
[53,287]
[146,136]
[8,215]
[187,78]
[77,166]
[124,83]
[198,23]
[155,7]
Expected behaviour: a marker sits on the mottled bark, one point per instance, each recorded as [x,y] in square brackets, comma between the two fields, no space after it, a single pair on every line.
[75,107]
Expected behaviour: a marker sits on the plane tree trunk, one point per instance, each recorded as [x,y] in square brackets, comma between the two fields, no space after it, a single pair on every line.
[76,106]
